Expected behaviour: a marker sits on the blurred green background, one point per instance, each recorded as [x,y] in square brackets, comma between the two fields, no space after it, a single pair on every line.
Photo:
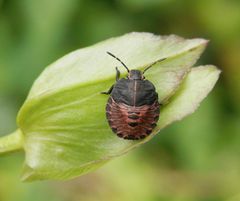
[197,159]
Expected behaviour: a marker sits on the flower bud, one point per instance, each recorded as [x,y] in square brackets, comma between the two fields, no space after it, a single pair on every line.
[62,124]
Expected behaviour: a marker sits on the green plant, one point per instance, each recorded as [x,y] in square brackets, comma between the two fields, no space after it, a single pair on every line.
[62,124]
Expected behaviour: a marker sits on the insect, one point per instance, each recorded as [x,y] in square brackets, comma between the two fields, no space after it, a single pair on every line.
[132,109]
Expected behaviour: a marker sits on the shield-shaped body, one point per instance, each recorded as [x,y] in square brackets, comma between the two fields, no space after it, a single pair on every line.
[133,108]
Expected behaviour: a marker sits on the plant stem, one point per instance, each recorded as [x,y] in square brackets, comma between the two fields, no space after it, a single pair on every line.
[12,142]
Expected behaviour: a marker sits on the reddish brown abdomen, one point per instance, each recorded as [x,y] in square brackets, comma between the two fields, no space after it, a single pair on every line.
[132,122]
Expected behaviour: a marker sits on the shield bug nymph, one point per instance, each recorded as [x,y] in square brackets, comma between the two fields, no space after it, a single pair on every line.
[133,108]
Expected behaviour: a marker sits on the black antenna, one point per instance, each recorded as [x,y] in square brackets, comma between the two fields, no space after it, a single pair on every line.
[160,60]
[118,60]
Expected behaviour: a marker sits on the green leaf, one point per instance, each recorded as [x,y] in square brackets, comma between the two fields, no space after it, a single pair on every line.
[63,119]
[92,64]
[195,88]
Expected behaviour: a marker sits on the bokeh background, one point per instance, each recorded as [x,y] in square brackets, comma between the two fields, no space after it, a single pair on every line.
[197,159]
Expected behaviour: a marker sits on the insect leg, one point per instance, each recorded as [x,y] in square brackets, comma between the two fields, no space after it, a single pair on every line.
[109,91]
[117,74]
[111,88]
